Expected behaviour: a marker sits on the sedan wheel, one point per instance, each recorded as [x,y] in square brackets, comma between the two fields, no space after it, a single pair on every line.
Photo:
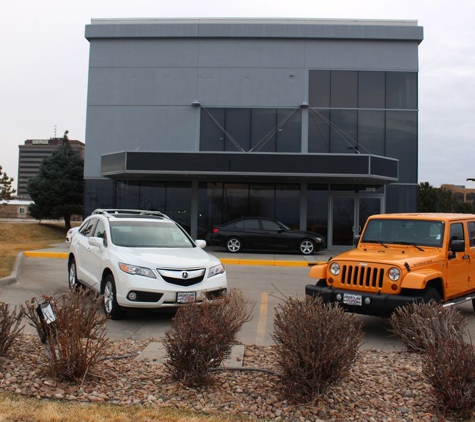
[111,307]
[306,247]
[233,244]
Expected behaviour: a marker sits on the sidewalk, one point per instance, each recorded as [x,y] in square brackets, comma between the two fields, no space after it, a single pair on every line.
[60,250]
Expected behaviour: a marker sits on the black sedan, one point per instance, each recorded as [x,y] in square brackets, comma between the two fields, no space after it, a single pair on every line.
[253,233]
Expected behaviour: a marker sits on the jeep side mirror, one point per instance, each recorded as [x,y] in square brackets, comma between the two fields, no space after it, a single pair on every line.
[457,246]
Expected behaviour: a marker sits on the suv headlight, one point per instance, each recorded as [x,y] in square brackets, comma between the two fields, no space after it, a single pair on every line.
[394,274]
[136,270]
[217,269]
[335,268]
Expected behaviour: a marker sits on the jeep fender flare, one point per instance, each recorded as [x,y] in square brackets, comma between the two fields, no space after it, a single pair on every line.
[318,271]
[418,280]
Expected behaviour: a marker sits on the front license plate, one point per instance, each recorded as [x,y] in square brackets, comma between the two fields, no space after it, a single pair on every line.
[351,299]
[186,297]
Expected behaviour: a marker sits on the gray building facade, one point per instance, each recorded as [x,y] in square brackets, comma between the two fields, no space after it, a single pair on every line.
[312,122]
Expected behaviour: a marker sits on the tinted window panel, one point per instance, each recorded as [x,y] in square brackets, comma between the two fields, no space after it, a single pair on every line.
[211,136]
[371,88]
[251,224]
[371,132]
[238,126]
[289,132]
[344,89]
[319,131]
[401,90]
[269,225]
[344,131]
[319,87]
[263,134]
[401,142]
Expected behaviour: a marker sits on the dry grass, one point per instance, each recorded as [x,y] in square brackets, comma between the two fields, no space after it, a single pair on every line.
[15,408]
[16,237]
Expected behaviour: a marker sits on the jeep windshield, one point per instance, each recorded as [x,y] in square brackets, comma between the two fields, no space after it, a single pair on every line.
[404,232]
[149,234]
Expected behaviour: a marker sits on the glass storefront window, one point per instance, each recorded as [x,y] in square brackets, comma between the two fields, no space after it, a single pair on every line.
[343,135]
[317,208]
[263,130]
[371,89]
[401,90]
[319,88]
[401,142]
[344,89]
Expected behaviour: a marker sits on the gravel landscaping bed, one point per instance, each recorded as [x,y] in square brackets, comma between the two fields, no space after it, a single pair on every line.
[382,386]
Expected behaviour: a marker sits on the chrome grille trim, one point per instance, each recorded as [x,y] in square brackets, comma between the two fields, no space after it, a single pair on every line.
[182,277]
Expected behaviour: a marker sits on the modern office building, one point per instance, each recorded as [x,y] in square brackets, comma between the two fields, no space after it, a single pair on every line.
[31,156]
[312,122]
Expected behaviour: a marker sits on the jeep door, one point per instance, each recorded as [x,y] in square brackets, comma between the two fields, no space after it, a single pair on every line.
[458,264]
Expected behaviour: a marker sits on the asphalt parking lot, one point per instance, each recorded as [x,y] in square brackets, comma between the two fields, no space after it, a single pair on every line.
[263,278]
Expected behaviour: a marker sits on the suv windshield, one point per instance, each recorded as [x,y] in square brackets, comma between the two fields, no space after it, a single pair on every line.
[405,232]
[149,234]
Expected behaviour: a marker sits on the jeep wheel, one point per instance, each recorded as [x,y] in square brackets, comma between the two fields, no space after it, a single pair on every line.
[430,295]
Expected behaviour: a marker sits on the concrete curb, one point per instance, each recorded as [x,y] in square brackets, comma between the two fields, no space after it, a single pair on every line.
[5,281]
[225,261]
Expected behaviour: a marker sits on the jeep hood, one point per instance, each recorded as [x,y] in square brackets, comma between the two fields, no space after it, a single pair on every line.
[391,256]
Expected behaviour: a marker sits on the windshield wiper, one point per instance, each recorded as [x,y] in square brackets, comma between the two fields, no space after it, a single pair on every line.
[412,244]
[375,241]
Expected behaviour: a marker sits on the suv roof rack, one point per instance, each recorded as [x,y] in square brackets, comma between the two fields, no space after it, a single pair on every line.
[111,211]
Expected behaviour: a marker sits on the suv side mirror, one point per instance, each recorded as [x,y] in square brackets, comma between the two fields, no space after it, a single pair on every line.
[96,241]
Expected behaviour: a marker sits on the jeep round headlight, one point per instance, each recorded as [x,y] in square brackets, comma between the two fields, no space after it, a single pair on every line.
[335,268]
[394,274]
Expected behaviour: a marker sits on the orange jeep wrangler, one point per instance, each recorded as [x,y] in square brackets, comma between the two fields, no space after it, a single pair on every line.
[401,259]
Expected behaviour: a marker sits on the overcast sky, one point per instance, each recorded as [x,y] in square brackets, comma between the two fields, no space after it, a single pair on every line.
[44,63]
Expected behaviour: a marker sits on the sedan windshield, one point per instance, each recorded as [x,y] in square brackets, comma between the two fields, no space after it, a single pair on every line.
[404,232]
[149,234]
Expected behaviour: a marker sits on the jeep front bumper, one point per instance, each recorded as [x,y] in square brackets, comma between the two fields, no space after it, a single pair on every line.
[361,302]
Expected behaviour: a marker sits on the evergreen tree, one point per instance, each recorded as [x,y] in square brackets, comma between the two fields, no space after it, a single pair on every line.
[6,190]
[57,190]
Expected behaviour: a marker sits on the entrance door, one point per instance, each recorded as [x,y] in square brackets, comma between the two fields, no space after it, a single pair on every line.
[348,214]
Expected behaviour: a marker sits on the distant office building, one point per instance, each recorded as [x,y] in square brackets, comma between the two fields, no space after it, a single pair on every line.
[31,157]
[461,193]
[312,122]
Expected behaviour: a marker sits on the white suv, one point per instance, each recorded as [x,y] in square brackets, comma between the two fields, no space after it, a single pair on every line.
[142,259]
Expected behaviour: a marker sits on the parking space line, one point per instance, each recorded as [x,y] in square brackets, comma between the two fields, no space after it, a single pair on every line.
[262,323]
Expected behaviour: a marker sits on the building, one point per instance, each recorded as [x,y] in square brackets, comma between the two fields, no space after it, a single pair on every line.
[461,193]
[313,122]
[14,208]
[31,156]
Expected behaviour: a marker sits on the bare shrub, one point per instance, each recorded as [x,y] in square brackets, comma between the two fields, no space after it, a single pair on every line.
[449,367]
[419,325]
[316,346]
[75,342]
[201,337]
[10,327]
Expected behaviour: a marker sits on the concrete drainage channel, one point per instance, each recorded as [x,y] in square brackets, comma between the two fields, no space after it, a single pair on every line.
[155,353]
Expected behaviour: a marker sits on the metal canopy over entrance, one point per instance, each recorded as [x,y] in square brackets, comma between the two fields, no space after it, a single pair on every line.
[347,168]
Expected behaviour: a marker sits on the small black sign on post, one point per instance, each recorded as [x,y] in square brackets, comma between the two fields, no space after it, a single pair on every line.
[48,318]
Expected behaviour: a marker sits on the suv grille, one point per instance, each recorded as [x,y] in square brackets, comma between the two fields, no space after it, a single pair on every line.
[182,277]
[362,276]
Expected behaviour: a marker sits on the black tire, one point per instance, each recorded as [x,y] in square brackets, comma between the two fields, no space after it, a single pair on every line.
[73,275]
[430,295]
[109,299]
[234,245]
[307,247]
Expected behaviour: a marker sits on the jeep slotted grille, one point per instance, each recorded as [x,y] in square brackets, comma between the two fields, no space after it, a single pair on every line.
[362,276]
